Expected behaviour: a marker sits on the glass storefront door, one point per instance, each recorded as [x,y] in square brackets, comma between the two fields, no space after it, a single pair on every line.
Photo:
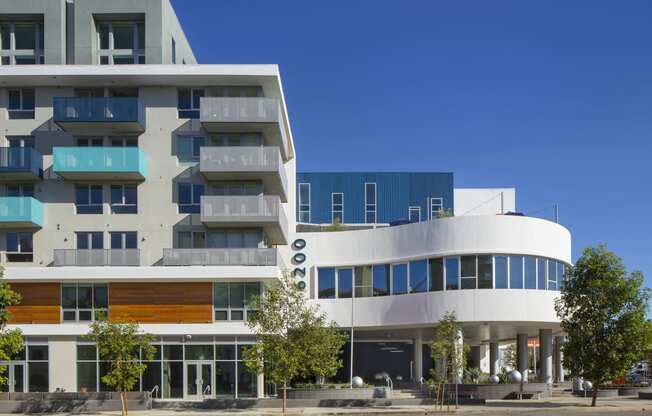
[15,375]
[199,380]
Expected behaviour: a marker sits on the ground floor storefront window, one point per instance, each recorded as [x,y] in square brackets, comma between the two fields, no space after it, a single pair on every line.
[27,371]
[372,359]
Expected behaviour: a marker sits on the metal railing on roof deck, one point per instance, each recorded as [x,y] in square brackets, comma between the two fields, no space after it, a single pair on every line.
[221,257]
[97,257]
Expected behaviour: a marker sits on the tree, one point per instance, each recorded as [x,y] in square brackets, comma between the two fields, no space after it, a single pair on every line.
[11,340]
[293,339]
[510,356]
[124,347]
[447,349]
[603,311]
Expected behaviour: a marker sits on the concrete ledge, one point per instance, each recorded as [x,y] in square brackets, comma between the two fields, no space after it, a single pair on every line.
[501,391]
[601,393]
[341,394]
[70,402]
[633,391]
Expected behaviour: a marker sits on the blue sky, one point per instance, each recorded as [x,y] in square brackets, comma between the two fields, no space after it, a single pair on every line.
[553,98]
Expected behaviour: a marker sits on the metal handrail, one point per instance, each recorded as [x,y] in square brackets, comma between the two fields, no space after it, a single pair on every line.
[207,390]
[155,389]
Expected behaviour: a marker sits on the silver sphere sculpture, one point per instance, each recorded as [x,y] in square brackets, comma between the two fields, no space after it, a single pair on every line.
[588,385]
[494,379]
[357,382]
[515,376]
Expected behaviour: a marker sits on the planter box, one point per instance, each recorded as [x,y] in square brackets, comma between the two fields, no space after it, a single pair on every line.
[70,402]
[633,391]
[340,394]
[500,391]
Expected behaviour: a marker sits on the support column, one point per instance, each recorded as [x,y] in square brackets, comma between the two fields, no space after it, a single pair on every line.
[418,358]
[522,353]
[558,359]
[545,342]
[476,356]
[260,385]
[494,365]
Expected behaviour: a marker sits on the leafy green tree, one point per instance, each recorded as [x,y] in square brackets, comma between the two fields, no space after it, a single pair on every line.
[124,347]
[291,336]
[11,340]
[447,349]
[510,356]
[603,310]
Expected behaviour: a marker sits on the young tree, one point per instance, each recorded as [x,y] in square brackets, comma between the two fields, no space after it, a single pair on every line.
[510,356]
[447,349]
[603,311]
[121,344]
[291,336]
[11,341]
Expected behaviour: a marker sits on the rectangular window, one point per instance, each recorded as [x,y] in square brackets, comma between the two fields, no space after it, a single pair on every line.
[326,283]
[232,300]
[188,147]
[552,275]
[370,203]
[304,202]
[337,207]
[20,190]
[452,273]
[124,199]
[414,214]
[19,247]
[418,276]
[21,104]
[485,272]
[436,274]
[190,198]
[399,279]
[516,272]
[89,240]
[188,100]
[90,141]
[84,302]
[124,142]
[530,272]
[191,239]
[469,272]
[121,240]
[344,283]
[120,43]
[88,199]
[561,274]
[542,273]
[500,265]
[436,207]
[381,277]
[21,43]
[363,282]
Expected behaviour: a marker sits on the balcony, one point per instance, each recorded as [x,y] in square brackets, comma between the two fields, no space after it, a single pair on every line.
[96,257]
[20,164]
[263,211]
[246,163]
[244,115]
[20,212]
[221,257]
[99,114]
[100,163]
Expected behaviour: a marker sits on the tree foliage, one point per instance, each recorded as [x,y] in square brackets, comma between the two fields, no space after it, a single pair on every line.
[510,356]
[448,350]
[603,310]
[11,340]
[293,338]
[124,347]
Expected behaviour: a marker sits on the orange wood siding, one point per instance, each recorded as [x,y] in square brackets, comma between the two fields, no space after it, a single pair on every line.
[162,302]
[40,304]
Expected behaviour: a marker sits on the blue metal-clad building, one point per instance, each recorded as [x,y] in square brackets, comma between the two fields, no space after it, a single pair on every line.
[372,197]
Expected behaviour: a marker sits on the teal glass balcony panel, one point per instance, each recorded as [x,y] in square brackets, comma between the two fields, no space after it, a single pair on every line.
[100,163]
[75,114]
[20,164]
[20,212]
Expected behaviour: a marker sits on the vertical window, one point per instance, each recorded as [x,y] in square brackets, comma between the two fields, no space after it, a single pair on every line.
[552,275]
[189,147]
[516,272]
[344,283]
[530,272]
[188,102]
[190,197]
[469,272]
[232,300]
[436,207]
[337,207]
[414,214]
[399,279]
[93,240]
[500,265]
[88,199]
[191,239]
[542,274]
[19,247]
[121,43]
[326,283]
[84,302]
[363,282]
[436,274]
[174,51]
[452,273]
[121,240]
[485,272]
[370,203]
[561,274]
[22,43]
[37,368]
[21,103]
[304,202]
[124,199]
[418,276]
[381,279]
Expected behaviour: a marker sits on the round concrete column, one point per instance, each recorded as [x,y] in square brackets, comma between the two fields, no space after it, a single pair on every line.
[545,342]
[558,359]
[493,359]
[522,353]
[418,358]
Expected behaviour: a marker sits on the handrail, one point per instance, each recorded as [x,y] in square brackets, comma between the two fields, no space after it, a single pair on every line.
[155,389]
[207,390]
[389,382]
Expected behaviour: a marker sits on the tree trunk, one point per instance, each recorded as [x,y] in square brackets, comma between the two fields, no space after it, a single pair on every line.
[285,395]
[123,399]
[595,395]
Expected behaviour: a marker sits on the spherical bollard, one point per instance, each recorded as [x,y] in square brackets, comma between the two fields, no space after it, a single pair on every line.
[588,385]
[494,379]
[515,376]
[357,382]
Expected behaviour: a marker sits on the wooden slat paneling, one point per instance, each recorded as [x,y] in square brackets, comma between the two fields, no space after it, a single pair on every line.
[162,302]
[40,304]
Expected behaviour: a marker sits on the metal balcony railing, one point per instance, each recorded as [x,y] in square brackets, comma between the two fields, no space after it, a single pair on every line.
[220,257]
[97,257]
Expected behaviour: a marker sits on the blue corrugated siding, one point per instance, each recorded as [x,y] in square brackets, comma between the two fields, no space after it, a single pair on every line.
[395,192]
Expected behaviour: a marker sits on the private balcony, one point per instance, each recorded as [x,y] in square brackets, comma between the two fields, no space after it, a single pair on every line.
[246,115]
[100,163]
[246,163]
[20,212]
[99,114]
[264,211]
[221,257]
[20,164]
[96,257]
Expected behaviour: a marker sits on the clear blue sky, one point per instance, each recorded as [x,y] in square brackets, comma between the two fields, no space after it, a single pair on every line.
[551,97]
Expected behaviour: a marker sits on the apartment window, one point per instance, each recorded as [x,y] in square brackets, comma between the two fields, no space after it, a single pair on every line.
[418,276]
[190,197]
[89,141]
[552,275]
[381,279]
[363,282]
[436,207]
[188,102]
[516,272]
[501,272]
[174,51]
[326,283]
[414,214]
[436,275]
[232,300]
[237,139]
[20,247]
[530,269]
[452,273]
[121,43]
[251,188]
[27,370]
[20,190]
[370,203]
[124,199]
[235,239]
[485,272]
[542,275]
[469,272]
[84,302]
[21,104]
[399,279]
[21,43]
[121,240]
[337,207]
[89,240]
[344,283]
[124,142]
[88,199]
[304,202]
[188,147]
[191,239]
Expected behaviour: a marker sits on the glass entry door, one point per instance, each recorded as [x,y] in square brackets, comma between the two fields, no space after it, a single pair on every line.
[15,378]
[199,380]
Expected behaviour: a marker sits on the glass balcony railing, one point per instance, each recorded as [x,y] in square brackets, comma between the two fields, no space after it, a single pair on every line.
[100,162]
[221,257]
[20,163]
[20,211]
[72,112]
